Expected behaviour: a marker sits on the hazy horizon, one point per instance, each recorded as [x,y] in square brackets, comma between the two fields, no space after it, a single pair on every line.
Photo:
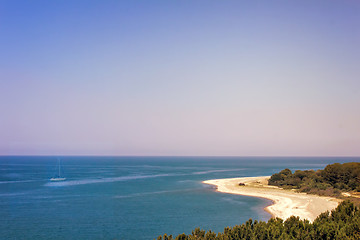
[180,78]
[174,156]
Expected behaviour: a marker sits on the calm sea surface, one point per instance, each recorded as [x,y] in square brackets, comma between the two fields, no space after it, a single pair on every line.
[129,197]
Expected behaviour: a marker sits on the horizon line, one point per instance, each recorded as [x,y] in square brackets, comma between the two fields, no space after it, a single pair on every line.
[106,155]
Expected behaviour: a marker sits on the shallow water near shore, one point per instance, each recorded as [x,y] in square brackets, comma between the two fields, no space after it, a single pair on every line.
[130,197]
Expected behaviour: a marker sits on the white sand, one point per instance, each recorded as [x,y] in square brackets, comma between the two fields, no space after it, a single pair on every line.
[286,202]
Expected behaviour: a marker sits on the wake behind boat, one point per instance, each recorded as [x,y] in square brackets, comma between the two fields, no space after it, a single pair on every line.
[58,178]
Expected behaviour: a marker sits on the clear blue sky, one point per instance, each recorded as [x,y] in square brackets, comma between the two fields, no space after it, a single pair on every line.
[279,78]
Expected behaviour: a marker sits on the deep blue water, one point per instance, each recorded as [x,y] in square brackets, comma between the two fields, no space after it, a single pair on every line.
[130,197]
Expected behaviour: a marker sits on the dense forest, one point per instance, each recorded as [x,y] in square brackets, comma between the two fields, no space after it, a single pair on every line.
[342,223]
[331,181]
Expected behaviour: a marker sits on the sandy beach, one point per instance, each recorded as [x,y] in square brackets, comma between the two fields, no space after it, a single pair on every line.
[285,202]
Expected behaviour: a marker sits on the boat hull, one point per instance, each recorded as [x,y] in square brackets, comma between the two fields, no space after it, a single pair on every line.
[57,179]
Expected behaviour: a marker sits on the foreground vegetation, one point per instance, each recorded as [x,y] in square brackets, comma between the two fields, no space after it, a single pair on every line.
[342,223]
[331,181]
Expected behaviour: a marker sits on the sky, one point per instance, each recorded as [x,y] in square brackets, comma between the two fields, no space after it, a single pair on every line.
[199,78]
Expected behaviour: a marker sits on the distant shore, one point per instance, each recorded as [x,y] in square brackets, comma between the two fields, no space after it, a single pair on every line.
[286,203]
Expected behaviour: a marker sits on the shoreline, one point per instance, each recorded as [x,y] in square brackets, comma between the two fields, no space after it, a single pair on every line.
[286,202]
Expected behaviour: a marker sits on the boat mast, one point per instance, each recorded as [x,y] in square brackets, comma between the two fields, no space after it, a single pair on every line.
[59,167]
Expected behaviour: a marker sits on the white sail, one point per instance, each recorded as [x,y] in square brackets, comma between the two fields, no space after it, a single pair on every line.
[58,177]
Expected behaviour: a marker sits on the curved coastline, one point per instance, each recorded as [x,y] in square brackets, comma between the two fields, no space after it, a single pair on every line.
[286,203]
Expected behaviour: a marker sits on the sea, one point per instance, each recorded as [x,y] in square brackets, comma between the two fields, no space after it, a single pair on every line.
[130,197]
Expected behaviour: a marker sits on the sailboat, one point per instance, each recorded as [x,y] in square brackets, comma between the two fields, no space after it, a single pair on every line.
[58,177]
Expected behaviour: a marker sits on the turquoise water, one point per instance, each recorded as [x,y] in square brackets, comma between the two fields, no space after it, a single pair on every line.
[129,197]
